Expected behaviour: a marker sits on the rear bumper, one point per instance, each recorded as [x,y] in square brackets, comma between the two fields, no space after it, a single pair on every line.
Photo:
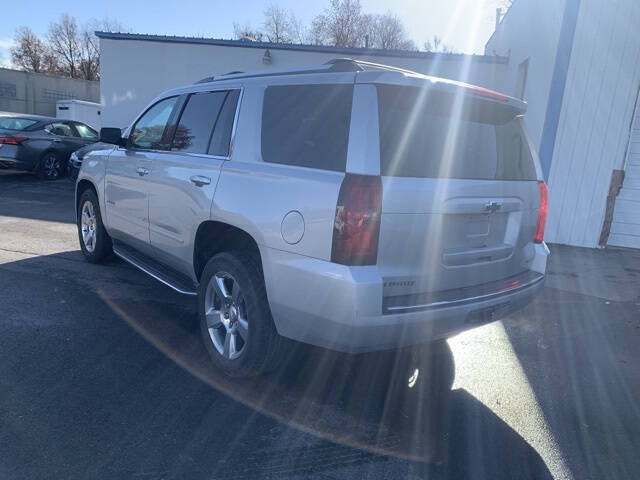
[14,159]
[341,308]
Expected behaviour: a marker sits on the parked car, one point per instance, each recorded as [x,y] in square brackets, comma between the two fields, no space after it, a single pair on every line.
[40,144]
[352,206]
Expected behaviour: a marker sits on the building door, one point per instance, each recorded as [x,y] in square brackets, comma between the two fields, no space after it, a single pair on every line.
[625,229]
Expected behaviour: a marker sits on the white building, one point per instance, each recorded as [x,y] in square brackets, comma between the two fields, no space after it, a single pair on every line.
[135,68]
[576,63]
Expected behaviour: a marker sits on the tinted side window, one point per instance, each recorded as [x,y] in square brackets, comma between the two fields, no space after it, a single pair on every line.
[60,129]
[196,123]
[148,132]
[307,125]
[221,140]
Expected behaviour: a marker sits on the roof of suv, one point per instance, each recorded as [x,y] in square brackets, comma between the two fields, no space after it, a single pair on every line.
[348,65]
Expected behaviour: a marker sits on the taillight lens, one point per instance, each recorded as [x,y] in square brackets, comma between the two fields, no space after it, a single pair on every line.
[11,140]
[542,213]
[357,222]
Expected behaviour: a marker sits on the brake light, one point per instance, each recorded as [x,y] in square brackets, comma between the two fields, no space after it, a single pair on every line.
[542,213]
[12,140]
[485,92]
[357,222]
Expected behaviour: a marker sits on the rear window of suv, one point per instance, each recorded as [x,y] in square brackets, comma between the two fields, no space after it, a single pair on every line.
[307,125]
[431,134]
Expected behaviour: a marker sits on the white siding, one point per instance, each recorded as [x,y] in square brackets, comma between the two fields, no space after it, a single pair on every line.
[530,30]
[625,229]
[133,72]
[593,131]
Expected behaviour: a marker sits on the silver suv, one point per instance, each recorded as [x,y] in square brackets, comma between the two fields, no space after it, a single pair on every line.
[350,205]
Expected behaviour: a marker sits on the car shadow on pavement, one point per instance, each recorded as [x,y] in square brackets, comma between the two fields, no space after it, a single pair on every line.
[91,398]
[578,346]
[387,404]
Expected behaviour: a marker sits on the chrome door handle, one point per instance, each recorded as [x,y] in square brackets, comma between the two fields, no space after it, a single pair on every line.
[199,180]
[56,140]
[142,171]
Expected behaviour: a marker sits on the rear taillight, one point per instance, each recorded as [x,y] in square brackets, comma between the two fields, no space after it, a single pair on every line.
[542,213]
[11,140]
[357,223]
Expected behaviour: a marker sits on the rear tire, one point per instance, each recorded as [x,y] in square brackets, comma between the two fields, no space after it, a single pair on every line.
[235,319]
[51,167]
[95,242]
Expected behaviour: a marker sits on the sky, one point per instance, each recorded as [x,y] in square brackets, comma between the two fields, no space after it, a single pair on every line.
[464,24]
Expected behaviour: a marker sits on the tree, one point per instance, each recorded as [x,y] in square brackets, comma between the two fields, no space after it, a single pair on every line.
[340,25]
[344,25]
[64,41]
[90,46]
[246,32]
[436,45]
[388,32]
[277,24]
[28,52]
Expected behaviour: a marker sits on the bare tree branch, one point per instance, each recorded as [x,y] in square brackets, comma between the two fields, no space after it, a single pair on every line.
[246,32]
[28,51]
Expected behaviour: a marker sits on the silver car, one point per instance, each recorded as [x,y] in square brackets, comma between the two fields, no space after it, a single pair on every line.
[352,206]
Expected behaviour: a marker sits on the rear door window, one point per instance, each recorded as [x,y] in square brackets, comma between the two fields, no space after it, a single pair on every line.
[435,135]
[307,125]
[221,139]
[194,128]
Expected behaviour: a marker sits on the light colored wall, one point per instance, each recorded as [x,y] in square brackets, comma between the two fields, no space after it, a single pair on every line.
[133,72]
[530,29]
[594,127]
[35,93]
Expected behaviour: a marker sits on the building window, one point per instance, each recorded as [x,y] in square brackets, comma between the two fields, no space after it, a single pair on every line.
[49,94]
[7,90]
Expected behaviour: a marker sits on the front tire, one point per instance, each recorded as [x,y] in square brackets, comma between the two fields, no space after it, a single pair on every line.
[95,242]
[235,318]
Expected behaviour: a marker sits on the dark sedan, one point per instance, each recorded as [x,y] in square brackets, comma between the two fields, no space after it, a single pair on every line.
[41,144]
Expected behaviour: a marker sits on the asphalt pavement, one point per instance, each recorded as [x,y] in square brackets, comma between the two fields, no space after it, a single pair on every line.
[102,375]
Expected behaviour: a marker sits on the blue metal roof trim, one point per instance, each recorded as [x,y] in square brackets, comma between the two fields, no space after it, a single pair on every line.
[300,47]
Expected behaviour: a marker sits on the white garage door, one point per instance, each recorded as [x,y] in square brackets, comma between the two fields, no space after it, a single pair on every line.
[625,229]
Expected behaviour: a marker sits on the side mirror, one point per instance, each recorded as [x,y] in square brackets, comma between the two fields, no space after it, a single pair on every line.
[112,135]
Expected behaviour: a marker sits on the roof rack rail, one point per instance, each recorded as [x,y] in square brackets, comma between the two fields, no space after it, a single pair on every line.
[343,65]
[206,79]
[332,66]
[360,65]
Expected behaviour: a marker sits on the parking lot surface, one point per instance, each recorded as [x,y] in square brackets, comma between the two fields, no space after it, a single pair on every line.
[102,375]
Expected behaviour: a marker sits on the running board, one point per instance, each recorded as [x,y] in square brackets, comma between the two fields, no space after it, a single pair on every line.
[172,279]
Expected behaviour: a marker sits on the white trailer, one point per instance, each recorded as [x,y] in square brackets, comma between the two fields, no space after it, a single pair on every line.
[80,111]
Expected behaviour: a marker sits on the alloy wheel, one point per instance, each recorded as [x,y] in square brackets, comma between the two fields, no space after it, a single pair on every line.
[88,226]
[226,315]
[51,166]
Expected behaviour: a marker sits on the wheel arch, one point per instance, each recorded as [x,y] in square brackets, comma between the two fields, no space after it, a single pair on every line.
[213,237]
[82,186]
